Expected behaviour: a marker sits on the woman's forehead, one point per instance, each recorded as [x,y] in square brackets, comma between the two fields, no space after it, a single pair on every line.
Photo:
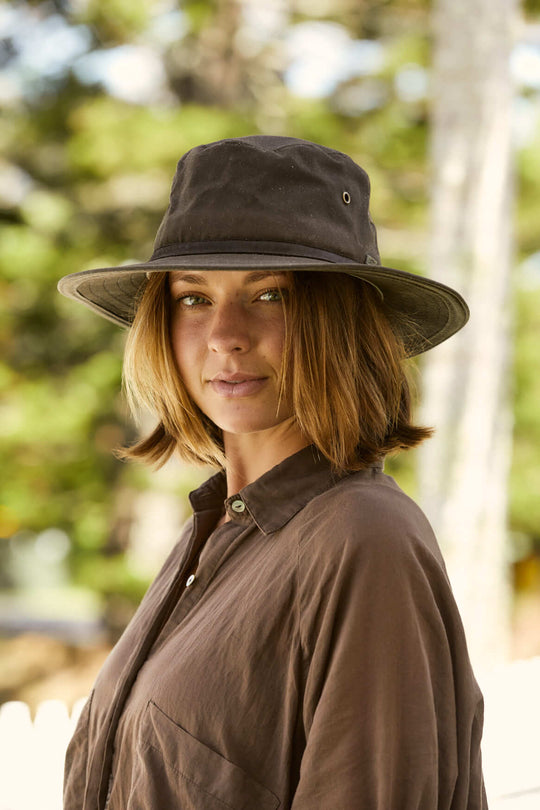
[245,277]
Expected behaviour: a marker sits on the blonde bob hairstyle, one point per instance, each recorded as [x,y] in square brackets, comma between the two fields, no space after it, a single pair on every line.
[345,376]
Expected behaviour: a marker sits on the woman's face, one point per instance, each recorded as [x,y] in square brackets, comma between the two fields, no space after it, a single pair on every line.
[228,334]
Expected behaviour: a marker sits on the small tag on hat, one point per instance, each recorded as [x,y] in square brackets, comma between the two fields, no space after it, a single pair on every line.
[370,260]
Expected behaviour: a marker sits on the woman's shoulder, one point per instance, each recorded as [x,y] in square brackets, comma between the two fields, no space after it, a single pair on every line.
[368,512]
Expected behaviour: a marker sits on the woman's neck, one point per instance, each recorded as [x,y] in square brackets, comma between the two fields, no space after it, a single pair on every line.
[250,455]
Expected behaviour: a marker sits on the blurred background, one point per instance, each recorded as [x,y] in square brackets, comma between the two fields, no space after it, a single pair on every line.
[440,103]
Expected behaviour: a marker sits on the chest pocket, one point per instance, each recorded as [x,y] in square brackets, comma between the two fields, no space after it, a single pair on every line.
[176,770]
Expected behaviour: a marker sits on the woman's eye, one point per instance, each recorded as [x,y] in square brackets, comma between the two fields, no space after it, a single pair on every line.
[191,300]
[272,295]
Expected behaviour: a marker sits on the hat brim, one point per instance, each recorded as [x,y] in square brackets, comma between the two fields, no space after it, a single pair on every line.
[424,312]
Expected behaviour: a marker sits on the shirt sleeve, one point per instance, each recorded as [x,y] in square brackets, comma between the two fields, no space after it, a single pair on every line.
[392,715]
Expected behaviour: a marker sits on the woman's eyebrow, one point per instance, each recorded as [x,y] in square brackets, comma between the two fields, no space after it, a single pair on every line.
[260,275]
[188,278]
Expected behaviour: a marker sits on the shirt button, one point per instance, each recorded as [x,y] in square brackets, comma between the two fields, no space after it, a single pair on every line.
[190,580]
[238,506]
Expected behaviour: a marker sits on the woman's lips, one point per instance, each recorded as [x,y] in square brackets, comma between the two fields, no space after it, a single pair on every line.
[241,387]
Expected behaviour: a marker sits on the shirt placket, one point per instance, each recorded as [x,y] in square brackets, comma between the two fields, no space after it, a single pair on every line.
[219,547]
[190,585]
[103,760]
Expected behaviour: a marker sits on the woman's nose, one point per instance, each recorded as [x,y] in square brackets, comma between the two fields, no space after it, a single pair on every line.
[229,330]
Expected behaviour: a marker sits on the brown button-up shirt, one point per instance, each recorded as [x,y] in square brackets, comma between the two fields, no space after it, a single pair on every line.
[307,654]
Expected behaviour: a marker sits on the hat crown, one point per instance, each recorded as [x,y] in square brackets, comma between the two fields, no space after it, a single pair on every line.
[270,189]
[274,202]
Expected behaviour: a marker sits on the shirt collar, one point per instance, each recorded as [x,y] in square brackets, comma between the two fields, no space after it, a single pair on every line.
[274,498]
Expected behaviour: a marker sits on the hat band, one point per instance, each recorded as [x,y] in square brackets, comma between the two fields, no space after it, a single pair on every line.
[242,246]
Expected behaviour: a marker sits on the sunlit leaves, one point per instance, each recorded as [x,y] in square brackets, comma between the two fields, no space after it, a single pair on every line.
[111,137]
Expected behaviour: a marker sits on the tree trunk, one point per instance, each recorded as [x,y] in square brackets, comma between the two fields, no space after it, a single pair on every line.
[464,469]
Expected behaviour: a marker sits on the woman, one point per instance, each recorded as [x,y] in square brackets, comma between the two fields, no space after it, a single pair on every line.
[301,647]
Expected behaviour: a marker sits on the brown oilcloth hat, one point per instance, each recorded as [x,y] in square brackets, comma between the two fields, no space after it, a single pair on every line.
[267,201]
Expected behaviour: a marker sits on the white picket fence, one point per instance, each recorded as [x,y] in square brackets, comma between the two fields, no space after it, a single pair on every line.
[32,751]
[32,754]
[511,746]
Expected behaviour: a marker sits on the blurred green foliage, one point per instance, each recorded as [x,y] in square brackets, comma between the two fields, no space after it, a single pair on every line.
[86,180]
